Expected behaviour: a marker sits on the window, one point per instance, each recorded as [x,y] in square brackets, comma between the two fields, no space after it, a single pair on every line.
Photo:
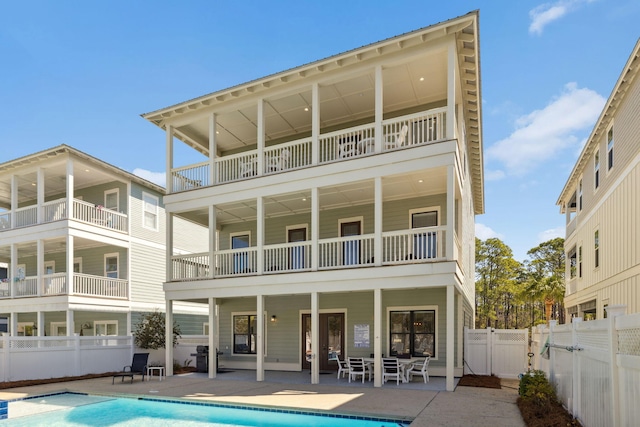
[27,329]
[579,261]
[149,211]
[77,266]
[412,332]
[424,244]
[111,266]
[105,327]
[610,148]
[580,195]
[596,247]
[351,247]
[58,329]
[244,334]
[572,255]
[596,170]
[241,261]
[112,199]
[205,328]
[297,233]
[49,267]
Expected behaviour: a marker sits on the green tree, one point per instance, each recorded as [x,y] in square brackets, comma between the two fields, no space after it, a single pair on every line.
[496,273]
[150,331]
[546,277]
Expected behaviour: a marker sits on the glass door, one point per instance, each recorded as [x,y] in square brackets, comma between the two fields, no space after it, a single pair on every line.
[296,253]
[350,248]
[331,340]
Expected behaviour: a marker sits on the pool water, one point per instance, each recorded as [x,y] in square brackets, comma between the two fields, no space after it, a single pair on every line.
[125,412]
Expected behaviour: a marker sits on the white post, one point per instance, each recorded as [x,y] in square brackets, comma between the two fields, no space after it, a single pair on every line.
[451,89]
[489,355]
[40,266]
[212,240]
[212,148]
[377,220]
[40,324]
[169,247]
[69,189]
[40,194]
[69,265]
[260,338]
[450,337]
[260,235]
[315,227]
[377,337]
[552,354]
[169,338]
[13,267]
[14,199]
[169,154]
[14,324]
[574,407]
[70,323]
[315,124]
[213,338]
[260,117]
[379,109]
[6,346]
[315,338]
[76,346]
[451,210]
[614,311]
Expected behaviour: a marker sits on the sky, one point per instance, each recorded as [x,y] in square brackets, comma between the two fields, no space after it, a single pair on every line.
[82,72]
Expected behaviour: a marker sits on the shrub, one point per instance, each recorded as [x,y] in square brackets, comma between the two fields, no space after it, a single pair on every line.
[150,331]
[535,387]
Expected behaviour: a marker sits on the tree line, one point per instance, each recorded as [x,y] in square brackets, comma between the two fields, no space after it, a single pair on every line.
[516,295]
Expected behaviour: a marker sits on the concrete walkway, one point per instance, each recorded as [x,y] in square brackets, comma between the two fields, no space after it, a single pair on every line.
[466,406]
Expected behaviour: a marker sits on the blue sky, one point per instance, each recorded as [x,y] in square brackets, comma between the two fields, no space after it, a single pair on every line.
[82,72]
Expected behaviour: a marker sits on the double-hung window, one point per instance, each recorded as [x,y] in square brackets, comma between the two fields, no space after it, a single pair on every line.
[105,327]
[150,212]
[596,248]
[412,332]
[596,170]
[112,199]
[244,334]
[610,148]
[111,266]
[580,195]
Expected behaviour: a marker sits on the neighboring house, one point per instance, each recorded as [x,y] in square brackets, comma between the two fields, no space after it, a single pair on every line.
[84,243]
[339,198]
[601,201]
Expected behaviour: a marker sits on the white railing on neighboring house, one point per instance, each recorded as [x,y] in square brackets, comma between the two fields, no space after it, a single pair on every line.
[190,266]
[27,287]
[26,216]
[54,284]
[5,220]
[287,257]
[99,215]
[236,262]
[54,210]
[414,244]
[28,358]
[415,129]
[99,286]
[594,367]
[346,252]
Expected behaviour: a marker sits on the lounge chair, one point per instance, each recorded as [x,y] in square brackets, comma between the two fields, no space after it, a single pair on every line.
[138,367]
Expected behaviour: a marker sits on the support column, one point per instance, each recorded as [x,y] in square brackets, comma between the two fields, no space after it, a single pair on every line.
[377,220]
[168,362]
[40,323]
[450,338]
[40,266]
[260,338]
[70,323]
[69,187]
[460,332]
[260,235]
[379,109]
[315,338]
[169,154]
[14,324]
[213,338]
[169,247]
[260,144]
[452,76]
[212,240]
[213,128]
[377,337]
[315,227]
[69,265]
[13,268]
[129,325]
[315,124]
[40,194]
[14,199]
[449,242]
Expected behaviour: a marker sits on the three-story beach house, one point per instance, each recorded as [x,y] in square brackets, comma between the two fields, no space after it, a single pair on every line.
[84,244]
[601,202]
[339,198]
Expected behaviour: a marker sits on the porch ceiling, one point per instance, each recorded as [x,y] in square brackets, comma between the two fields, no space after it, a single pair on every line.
[396,187]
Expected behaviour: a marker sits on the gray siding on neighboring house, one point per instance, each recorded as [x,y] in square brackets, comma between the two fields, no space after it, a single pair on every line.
[136,215]
[95,194]
[147,274]
[189,236]
[92,261]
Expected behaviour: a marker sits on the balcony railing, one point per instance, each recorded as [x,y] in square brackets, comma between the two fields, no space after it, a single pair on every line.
[56,284]
[407,131]
[56,210]
[417,245]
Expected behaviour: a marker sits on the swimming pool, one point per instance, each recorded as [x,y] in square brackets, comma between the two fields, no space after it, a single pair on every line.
[126,412]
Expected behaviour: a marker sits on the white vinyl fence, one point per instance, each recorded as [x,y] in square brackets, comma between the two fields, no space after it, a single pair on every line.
[594,366]
[499,352]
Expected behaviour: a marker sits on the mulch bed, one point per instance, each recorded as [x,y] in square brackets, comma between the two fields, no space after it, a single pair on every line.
[488,381]
[554,416]
[27,383]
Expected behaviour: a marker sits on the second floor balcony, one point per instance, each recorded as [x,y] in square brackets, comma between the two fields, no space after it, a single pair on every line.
[59,284]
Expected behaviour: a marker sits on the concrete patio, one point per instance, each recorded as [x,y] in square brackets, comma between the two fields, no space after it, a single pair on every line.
[425,404]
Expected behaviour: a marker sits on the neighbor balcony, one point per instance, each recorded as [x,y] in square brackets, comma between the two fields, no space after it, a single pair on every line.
[57,284]
[411,130]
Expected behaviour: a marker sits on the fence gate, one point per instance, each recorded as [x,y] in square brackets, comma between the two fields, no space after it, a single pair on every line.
[499,352]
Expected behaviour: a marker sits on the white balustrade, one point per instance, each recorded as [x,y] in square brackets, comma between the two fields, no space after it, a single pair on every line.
[345,252]
[236,262]
[347,143]
[191,266]
[421,128]
[27,287]
[5,220]
[100,286]
[425,243]
[237,166]
[54,284]
[26,216]
[287,257]
[54,210]
[190,177]
[100,216]
[292,155]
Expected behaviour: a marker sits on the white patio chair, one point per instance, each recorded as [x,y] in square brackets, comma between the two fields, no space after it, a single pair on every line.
[396,140]
[347,149]
[391,368]
[419,369]
[343,368]
[356,367]
[247,168]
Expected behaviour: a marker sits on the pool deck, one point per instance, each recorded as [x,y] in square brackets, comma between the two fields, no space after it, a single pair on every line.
[427,404]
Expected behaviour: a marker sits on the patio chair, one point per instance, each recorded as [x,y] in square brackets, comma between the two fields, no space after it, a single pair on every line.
[396,140]
[391,369]
[343,368]
[138,367]
[356,367]
[419,369]
[247,168]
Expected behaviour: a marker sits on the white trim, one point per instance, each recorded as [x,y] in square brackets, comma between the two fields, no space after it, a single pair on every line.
[205,328]
[415,308]
[104,323]
[248,313]
[156,213]
[51,264]
[104,264]
[342,311]
[607,149]
[359,219]
[111,191]
[54,326]
[596,183]
[295,227]
[238,233]
[435,209]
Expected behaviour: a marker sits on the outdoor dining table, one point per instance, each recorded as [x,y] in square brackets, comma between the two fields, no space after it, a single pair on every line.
[405,363]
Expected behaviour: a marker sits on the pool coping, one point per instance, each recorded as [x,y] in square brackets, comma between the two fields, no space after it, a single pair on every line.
[404,421]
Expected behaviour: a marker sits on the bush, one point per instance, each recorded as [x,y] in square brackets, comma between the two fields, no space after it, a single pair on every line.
[150,331]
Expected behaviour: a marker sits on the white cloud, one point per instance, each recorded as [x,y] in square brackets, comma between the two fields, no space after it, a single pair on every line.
[551,234]
[483,232]
[542,134]
[494,175]
[549,12]
[155,177]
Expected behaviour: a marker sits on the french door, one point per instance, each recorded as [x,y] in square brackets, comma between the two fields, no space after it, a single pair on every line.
[331,339]
[351,248]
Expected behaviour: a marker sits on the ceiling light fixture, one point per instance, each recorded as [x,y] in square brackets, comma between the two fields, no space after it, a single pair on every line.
[306,108]
[421,79]
[420,181]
